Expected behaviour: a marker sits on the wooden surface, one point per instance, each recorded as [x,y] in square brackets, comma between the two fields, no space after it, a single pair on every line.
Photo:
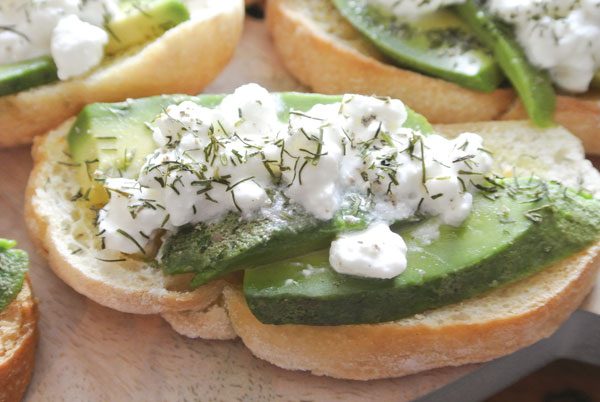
[91,353]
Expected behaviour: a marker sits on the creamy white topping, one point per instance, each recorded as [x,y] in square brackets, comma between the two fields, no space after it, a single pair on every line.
[560,36]
[375,252]
[66,29]
[212,161]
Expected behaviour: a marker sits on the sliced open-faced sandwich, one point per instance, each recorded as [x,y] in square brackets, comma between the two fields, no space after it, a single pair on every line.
[452,60]
[343,235]
[18,323]
[57,56]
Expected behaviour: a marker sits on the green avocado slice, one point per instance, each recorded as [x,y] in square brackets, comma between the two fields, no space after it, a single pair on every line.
[13,266]
[533,85]
[143,21]
[214,250]
[513,231]
[438,44]
[17,77]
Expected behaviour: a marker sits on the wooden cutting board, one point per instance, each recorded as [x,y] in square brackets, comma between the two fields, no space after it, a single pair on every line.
[91,353]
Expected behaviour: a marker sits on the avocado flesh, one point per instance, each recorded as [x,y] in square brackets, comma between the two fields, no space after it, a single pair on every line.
[533,85]
[13,266]
[114,138]
[438,44]
[595,81]
[143,21]
[17,77]
[503,240]
[214,250]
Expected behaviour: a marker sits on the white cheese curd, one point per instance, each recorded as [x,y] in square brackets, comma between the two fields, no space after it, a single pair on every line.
[375,252]
[33,28]
[560,36]
[213,161]
[77,46]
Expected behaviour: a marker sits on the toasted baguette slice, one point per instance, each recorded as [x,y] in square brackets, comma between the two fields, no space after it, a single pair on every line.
[485,327]
[64,232]
[323,51]
[18,340]
[475,330]
[183,60]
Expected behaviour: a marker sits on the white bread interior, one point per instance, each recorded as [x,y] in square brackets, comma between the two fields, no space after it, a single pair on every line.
[183,60]
[323,51]
[18,340]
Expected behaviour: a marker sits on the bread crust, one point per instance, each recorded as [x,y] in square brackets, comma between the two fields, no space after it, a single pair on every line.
[43,220]
[394,349]
[17,354]
[326,64]
[580,115]
[183,60]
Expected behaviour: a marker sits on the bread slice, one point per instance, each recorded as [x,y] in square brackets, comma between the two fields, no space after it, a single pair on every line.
[18,340]
[323,51]
[183,60]
[475,330]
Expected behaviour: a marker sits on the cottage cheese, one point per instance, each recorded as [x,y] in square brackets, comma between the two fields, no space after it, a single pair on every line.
[375,252]
[69,30]
[213,161]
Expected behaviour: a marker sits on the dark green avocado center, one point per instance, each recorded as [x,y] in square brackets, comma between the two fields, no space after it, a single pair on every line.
[516,228]
[13,266]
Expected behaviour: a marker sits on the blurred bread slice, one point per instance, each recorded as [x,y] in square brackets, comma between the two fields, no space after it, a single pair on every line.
[183,60]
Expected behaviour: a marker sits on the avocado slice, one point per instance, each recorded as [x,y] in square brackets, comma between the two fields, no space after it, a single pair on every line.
[17,77]
[532,84]
[214,250]
[439,44]
[143,20]
[516,228]
[595,81]
[114,138]
[13,266]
